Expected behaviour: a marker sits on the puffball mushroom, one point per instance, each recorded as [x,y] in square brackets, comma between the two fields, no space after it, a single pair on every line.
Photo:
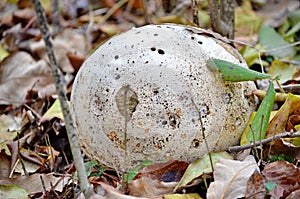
[153,83]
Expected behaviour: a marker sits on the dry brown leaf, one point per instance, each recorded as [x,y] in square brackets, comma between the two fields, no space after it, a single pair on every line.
[67,42]
[278,123]
[126,100]
[282,146]
[285,175]
[24,15]
[75,60]
[105,191]
[33,182]
[170,171]
[146,187]
[4,165]
[231,178]
[255,187]
[20,74]
[294,194]
[157,179]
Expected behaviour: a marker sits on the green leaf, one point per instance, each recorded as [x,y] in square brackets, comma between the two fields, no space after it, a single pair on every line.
[274,158]
[89,165]
[293,30]
[270,186]
[261,119]
[271,40]
[132,173]
[200,167]
[233,72]
[12,191]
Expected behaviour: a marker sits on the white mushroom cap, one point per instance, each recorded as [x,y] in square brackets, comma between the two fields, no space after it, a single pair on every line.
[164,66]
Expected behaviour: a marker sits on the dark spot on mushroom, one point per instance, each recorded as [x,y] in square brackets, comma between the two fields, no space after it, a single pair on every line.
[138,32]
[153,49]
[200,42]
[133,62]
[146,62]
[155,34]
[195,143]
[192,38]
[117,77]
[155,91]
[173,120]
[164,122]
[116,57]
[160,51]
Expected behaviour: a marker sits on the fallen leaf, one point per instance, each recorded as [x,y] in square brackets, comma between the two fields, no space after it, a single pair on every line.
[21,73]
[33,183]
[285,70]
[285,175]
[4,165]
[231,178]
[273,42]
[183,196]
[9,127]
[126,100]
[12,191]
[75,60]
[157,179]
[282,147]
[294,194]
[279,121]
[170,171]
[3,52]
[66,42]
[255,187]
[105,191]
[272,11]
[199,167]
[54,111]
[147,187]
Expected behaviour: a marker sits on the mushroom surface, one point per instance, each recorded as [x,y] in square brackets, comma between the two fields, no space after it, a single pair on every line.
[153,82]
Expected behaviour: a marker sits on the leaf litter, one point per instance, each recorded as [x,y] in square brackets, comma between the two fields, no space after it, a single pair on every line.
[39,142]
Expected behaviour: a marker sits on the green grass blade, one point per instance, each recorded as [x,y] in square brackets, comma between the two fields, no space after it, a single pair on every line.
[233,72]
[261,119]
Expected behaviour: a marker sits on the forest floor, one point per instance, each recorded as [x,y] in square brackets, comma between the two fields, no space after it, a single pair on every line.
[35,157]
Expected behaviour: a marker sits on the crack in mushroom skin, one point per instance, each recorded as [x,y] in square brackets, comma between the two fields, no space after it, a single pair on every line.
[165,66]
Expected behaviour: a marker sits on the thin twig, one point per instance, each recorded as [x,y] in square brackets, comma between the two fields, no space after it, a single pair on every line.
[195,12]
[61,90]
[203,133]
[264,141]
[44,187]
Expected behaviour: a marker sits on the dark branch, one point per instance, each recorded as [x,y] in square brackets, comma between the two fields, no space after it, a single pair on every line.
[264,141]
[61,90]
